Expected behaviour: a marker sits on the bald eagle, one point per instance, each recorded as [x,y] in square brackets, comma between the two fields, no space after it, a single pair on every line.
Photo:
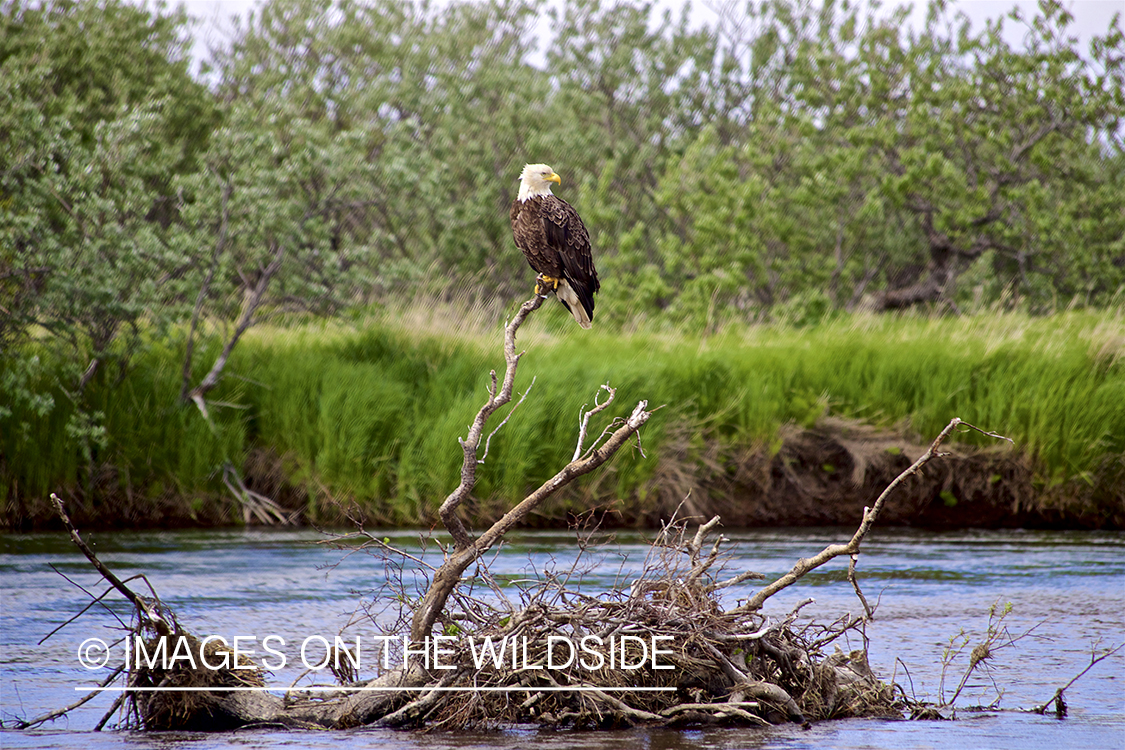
[555,242]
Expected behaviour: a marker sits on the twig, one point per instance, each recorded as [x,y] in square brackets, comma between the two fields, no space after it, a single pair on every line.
[94,600]
[60,712]
[1057,698]
[488,442]
[996,638]
[584,420]
[745,575]
[855,584]
[372,539]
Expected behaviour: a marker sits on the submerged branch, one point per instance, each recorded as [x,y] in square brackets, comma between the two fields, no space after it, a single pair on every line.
[51,716]
[1057,698]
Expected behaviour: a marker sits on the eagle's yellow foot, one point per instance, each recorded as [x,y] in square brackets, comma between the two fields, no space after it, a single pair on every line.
[543,283]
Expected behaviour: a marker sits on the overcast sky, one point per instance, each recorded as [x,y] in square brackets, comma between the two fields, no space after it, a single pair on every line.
[1090,16]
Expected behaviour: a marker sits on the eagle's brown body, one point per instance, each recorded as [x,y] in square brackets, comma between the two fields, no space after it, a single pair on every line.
[556,244]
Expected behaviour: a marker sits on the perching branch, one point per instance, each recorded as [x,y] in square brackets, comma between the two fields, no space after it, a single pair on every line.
[496,399]
[466,549]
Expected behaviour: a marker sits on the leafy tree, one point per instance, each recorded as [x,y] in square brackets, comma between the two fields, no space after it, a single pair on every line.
[440,106]
[98,112]
[997,144]
[269,205]
[886,159]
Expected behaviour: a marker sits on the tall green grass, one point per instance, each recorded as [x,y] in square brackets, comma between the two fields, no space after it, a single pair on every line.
[152,445]
[371,410]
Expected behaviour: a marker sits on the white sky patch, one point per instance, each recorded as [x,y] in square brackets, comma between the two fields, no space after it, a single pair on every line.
[1091,17]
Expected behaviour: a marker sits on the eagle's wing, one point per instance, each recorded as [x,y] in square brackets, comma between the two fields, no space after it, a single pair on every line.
[567,235]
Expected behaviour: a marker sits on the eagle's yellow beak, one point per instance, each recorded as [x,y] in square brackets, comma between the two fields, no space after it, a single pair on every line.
[555,179]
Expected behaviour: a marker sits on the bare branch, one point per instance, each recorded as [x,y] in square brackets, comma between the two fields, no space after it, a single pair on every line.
[144,610]
[1057,698]
[855,584]
[584,420]
[63,711]
[449,574]
[804,566]
[697,542]
[488,442]
[453,524]
[211,379]
[746,575]
[265,509]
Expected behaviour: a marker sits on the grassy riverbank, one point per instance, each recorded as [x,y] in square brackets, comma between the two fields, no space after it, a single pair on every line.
[367,413]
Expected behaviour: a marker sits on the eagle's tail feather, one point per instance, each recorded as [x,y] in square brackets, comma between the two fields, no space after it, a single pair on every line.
[573,302]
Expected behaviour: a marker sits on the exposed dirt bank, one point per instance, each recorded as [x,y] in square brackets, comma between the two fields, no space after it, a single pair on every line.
[818,477]
[826,475]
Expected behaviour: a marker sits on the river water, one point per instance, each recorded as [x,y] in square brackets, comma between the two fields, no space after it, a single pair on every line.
[1067,588]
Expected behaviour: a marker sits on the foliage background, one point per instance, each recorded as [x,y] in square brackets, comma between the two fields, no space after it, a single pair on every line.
[793,163]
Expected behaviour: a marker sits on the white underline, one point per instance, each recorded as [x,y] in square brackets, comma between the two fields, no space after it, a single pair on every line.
[330,688]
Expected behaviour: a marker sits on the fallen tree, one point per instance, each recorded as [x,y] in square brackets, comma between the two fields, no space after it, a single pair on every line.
[666,650]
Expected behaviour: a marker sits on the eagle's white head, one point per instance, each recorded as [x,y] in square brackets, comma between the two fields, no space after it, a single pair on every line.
[536,179]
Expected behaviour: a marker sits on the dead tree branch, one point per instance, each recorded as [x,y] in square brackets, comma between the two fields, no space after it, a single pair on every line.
[245,320]
[469,445]
[805,565]
[146,610]
[466,549]
[449,574]
[488,442]
[732,666]
[254,504]
[584,421]
[52,715]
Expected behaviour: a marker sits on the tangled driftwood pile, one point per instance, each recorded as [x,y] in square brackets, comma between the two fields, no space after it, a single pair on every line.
[670,649]
[665,651]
